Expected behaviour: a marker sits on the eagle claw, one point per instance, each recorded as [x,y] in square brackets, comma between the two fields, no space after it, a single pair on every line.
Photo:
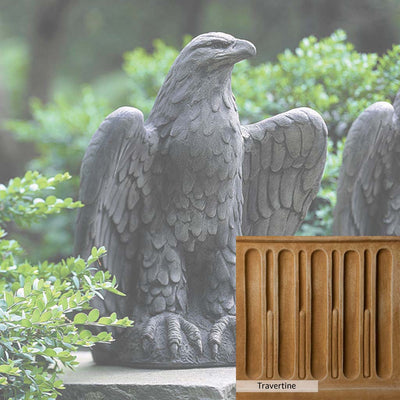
[176,326]
[217,332]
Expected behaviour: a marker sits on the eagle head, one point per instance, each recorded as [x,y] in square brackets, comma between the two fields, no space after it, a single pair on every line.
[203,66]
[215,50]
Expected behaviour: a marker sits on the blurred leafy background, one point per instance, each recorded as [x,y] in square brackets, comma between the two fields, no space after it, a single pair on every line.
[65,64]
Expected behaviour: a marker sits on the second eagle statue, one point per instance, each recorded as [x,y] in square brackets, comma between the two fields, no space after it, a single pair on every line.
[168,196]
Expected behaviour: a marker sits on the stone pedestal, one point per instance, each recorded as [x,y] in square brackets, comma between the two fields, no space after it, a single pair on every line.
[95,382]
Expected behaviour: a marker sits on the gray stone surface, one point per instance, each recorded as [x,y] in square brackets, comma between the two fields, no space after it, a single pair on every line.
[95,382]
[168,196]
[368,190]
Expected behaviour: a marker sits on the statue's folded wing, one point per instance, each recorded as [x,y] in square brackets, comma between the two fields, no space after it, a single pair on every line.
[360,205]
[391,218]
[283,165]
[116,189]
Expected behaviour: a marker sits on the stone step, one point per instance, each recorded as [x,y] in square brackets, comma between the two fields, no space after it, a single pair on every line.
[96,382]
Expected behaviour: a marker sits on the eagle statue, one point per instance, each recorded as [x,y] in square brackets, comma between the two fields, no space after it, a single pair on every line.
[368,192]
[168,196]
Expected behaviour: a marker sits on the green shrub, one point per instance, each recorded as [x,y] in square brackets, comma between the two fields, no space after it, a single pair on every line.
[61,131]
[331,77]
[318,221]
[328,75]
[38,333]
[147,72]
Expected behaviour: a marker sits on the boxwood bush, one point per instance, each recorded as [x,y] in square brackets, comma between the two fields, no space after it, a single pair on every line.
[44,307]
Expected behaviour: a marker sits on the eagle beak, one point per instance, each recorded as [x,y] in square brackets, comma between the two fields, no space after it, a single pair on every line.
[243,49]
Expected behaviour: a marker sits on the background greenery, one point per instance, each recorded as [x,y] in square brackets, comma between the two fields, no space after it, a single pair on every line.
[44,307]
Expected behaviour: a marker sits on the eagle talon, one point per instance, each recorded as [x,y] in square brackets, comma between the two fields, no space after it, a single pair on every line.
[217,332]
[199,346]
[175,328]
[214,350]
[174,349]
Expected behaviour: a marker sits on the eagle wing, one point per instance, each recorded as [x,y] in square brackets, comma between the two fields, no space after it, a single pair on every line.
[116,189]
[283,165]
[366,194]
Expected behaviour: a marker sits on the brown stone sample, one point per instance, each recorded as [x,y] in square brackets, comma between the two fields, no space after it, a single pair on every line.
[324,308]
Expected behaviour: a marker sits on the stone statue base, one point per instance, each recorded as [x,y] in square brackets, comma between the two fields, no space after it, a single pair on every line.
[90,381]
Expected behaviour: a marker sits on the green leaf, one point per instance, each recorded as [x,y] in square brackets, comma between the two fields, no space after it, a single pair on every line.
[115,291]
[40,305]
[46,316]
[76,281]
[105,321]
[9,369]
[94,252]
[9,297]
[93,315]
[27,288]
[113,317]
[50,200]
[104,336]
[80,318]
[50,352]
[64,303]
[85,334]
[58,384]
[26,323]
[35,316]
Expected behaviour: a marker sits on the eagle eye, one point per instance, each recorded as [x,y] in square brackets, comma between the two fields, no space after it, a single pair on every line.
[220,45]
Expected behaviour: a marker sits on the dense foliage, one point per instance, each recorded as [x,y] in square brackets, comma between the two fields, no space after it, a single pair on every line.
[61,132]
[44,309]
[328,75]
